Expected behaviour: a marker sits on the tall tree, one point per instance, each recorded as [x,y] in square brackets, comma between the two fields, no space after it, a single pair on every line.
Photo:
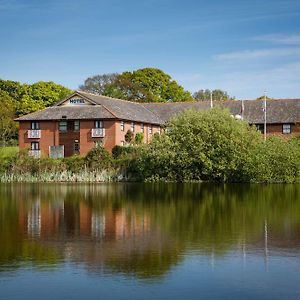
[32,97]
[99,84]
[217,94]
[143,85]
[8,128]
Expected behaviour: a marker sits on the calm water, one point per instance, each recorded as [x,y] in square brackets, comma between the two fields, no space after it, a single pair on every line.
[144,241]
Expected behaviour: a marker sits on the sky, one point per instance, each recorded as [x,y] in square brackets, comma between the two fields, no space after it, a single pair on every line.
[243,47]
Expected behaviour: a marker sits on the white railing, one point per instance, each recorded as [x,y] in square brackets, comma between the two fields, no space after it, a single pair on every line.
[35,153]
[98,132]
[34,134]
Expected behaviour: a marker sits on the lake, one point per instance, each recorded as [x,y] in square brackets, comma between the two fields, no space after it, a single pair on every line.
[149,241]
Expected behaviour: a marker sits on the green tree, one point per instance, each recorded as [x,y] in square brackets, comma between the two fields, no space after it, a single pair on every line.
[8,128]
[40,95]
[201,145]
[217,94]
[143,85]
[99,84]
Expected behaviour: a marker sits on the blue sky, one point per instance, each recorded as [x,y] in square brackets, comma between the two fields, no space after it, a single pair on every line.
[243,47]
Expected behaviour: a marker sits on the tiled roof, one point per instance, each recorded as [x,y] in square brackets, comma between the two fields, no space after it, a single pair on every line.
[70,112]
[278,111]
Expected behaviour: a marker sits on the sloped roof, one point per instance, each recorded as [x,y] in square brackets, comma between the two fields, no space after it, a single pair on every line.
[70,112]
[278,111]
[124,110]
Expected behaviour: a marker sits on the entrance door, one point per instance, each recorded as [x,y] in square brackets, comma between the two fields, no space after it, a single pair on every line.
[76,147]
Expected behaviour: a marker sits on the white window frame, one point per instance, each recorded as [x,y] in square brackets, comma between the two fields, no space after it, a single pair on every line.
[35,146]
[286,128]
[150,129]
[122,126]
[132,126]
[35,125]
[142,127]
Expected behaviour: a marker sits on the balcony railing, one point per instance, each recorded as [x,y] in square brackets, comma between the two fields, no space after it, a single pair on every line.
[35,153]
[34,134]
[98,132]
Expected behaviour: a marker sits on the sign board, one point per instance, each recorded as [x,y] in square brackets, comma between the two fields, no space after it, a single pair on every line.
[56,152]
[76,100]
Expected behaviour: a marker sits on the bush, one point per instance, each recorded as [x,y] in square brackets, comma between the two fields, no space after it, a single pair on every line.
[98,158]
[139,138]
[129,137]
[121,151]
[206,145]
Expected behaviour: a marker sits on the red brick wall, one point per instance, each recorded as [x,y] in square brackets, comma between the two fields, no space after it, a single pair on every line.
[276,129]
[49,135]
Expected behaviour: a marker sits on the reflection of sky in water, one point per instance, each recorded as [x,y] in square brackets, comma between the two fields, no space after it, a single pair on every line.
[149,241]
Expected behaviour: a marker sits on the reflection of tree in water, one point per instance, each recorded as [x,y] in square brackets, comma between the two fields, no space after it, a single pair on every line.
[143,229]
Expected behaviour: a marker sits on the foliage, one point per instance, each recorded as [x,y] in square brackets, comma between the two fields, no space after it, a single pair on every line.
[276,160]
[121,151]
[99,84]
[263,97]
[129,136]
[139,138]
[142,85]
[213,146]
[98,158]
[217,94]
[8,128]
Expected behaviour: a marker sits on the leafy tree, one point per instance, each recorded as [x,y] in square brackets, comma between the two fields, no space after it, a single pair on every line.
[41,95]
[143,85]
[99,84]
[8,128]
[203,95]
[263,97]
[201,145]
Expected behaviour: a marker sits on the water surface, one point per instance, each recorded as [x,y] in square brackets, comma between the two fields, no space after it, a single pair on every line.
[149,241]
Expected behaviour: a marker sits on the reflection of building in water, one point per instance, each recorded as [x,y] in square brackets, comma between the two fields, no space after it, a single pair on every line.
[39,218]
[34,219]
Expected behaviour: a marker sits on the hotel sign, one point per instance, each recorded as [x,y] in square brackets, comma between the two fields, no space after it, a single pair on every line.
[76,101]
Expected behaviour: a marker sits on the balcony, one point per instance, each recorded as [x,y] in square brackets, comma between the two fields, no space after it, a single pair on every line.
[98,132]
[35,153]
[34,134]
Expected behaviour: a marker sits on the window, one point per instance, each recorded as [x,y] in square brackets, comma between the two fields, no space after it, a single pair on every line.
[77,125]
[150,129]
[159,130]
[286,128]
[122,143]
[142,127]
[63,126]
[132,126]
[98,124]
[122,124]
[260,127]
[35,146]
[35,125]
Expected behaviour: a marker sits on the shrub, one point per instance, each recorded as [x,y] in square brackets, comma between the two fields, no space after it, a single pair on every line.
[129,137]
[139,138]
[98,158]
[201,145]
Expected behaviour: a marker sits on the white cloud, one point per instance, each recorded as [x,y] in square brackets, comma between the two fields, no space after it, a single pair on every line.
[279,39]
[256,54]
